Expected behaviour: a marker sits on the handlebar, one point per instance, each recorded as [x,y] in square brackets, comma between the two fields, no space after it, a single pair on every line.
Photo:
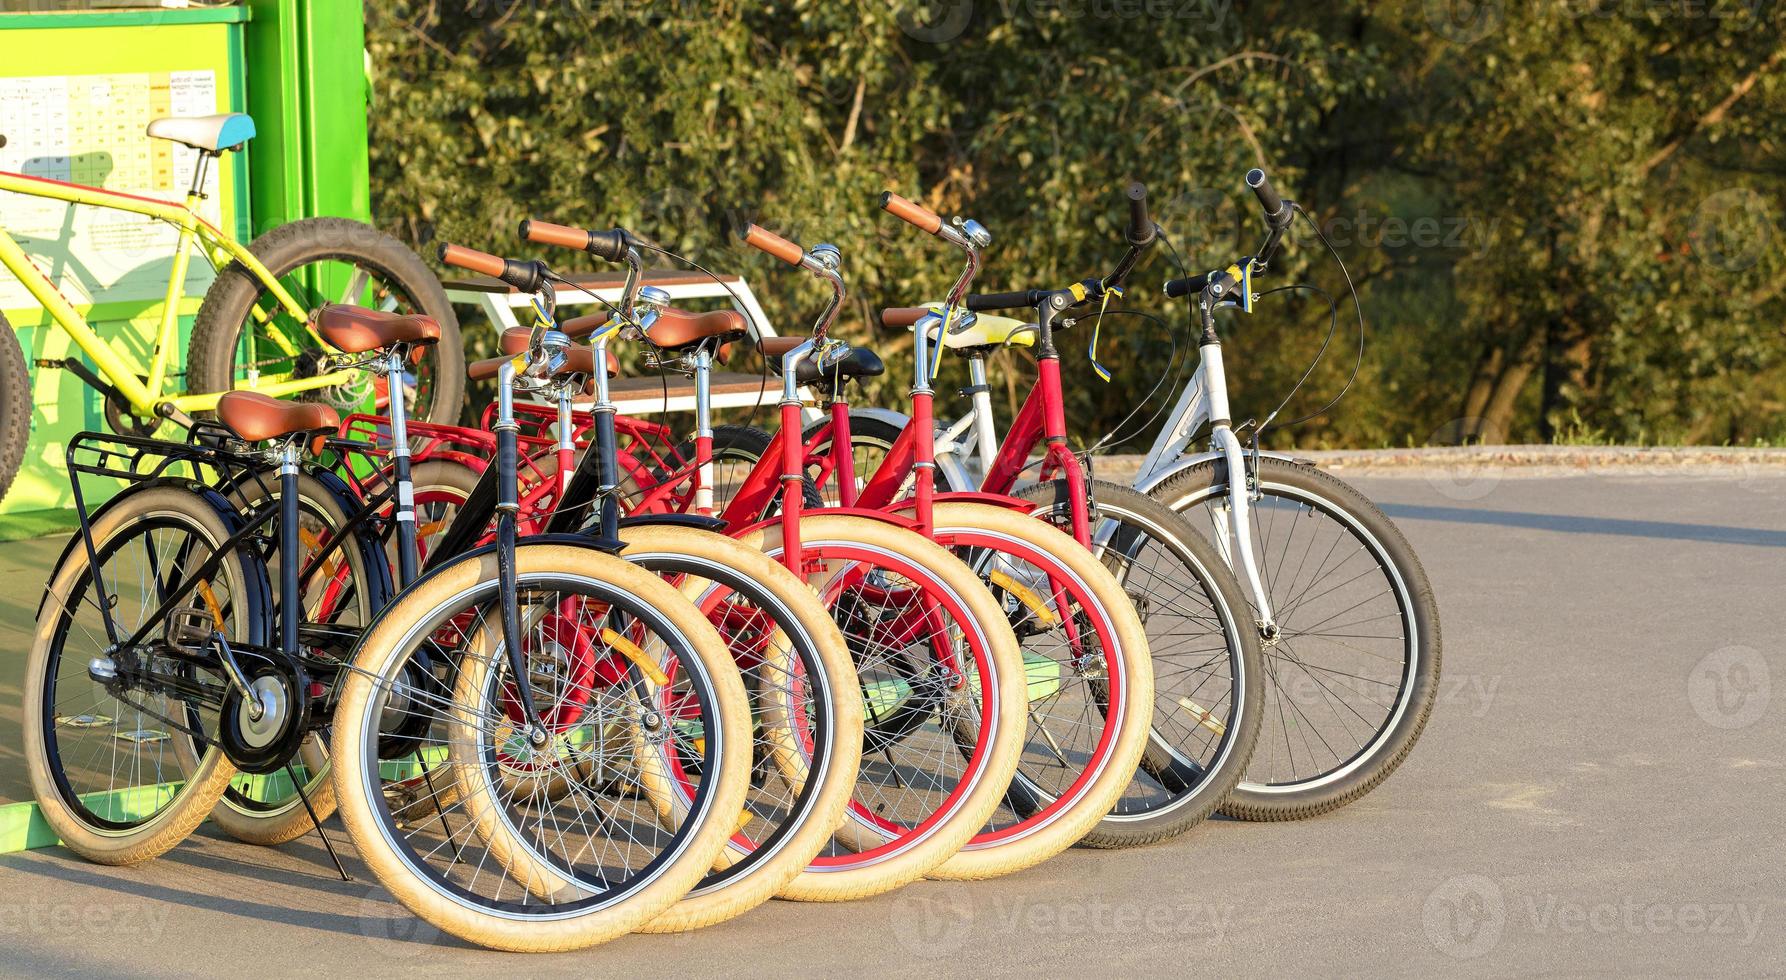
[1140,232]
[1022,298]
[1179,288]
[610,245]
[770,243]
[528,277]
[914,214]
[1276,214]
[900,317]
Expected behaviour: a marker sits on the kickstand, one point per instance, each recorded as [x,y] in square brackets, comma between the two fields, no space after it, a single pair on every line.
[298,784]
[435,796]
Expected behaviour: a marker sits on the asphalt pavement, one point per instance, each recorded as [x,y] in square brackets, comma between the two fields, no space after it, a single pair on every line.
[1598,793]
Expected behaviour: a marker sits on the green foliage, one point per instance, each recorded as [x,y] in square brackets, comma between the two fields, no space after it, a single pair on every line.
[1554,226]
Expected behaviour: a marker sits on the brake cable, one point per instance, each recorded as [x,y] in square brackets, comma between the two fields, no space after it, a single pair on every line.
[1357,306]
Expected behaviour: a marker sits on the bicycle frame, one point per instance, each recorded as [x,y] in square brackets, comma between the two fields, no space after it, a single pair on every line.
[217,248]
[1203,400]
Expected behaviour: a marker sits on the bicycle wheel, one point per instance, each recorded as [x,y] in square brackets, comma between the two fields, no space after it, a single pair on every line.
[1088,676]
[15,406]
[243,334]
[1352,675]
[1207,675]
[805,702]
[114,777]
[944,700]
[427,720]
[339,599]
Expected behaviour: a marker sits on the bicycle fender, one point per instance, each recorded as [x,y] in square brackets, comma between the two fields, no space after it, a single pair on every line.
[999,500]
[259,586]
[1183,463]
[885,517]
[887,415]
[372,556]
[700,522]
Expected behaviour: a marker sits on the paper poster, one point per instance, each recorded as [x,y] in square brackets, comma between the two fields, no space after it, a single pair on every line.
[89,129]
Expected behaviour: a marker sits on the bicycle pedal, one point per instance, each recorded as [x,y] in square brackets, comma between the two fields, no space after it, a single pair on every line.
[189,630]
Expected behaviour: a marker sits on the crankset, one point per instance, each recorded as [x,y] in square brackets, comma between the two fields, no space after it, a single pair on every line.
[261,732]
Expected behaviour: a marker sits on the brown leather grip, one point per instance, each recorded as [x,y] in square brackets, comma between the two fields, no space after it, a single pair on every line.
[902,316]
[487,368]
[768,241]
[578,327]
[471,258]
[917,214]
[777,346]
[546,233]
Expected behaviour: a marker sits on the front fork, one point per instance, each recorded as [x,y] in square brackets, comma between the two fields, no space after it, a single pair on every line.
[1240,499]
[508,508]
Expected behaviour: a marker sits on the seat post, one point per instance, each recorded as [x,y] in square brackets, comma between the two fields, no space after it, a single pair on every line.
[704,429]
[405,511]
[196,193]
[291,563]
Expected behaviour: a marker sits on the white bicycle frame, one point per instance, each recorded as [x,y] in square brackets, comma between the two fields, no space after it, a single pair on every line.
[966,448]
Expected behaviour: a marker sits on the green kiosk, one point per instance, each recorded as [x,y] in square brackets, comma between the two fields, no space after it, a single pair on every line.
[77,89]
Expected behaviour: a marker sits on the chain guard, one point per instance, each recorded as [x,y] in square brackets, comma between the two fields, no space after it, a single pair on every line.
[261,746]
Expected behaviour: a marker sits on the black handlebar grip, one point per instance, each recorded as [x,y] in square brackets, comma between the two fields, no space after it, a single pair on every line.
[1267,194]
[1140,231]
[1176,288]
[981,302]
[610,245]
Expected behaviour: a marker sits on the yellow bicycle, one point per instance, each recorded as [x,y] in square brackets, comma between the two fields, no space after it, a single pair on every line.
[253,327]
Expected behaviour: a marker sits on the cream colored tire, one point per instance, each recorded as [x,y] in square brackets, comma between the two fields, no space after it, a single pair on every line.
[356,733]
[670,548]
[842,879]
[1094,799]
[202,780]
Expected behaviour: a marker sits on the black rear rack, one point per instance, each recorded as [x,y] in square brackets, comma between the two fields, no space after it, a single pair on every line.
[209,445]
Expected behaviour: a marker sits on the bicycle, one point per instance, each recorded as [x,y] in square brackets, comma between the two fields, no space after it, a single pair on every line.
[1206,711]
[941,672]
[1358,668]
[427,697]
[804,698]
[253,330]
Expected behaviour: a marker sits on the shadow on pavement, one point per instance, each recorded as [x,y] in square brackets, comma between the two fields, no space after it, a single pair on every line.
[1666,530]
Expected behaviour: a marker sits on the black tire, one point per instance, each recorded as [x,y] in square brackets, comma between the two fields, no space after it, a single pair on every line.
[1270,792]
[217,331]
[15,406]
[1191,765]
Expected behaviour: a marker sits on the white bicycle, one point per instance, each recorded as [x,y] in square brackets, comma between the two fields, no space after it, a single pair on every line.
[1345,614]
